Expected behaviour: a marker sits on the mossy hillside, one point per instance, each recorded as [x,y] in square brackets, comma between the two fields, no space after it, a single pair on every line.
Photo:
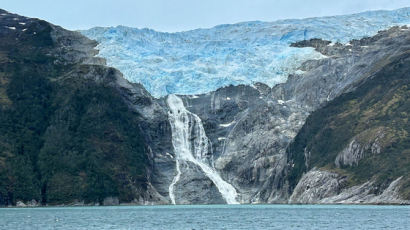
[63,137]
[380,102]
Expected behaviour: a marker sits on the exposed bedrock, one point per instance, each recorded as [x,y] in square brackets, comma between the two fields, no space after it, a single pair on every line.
[319,186]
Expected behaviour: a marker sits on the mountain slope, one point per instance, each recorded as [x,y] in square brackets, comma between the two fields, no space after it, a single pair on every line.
[67,134]
[360,137]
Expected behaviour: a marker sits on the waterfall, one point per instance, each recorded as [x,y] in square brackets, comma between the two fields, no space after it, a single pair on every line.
[174,181]
[193,148]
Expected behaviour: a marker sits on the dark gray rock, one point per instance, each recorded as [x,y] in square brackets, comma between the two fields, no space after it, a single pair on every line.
[195,188]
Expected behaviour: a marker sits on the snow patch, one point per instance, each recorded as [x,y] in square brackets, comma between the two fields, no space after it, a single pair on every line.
[11,27]
[227,124]
[299,72]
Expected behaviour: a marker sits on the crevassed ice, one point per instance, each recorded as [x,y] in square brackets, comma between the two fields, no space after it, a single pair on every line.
[203,60]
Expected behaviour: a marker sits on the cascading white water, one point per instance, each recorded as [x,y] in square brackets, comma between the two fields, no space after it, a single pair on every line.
[191,149]
[174,181]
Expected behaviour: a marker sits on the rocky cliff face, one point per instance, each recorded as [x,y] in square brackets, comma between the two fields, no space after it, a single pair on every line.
[249,132]
[324,187]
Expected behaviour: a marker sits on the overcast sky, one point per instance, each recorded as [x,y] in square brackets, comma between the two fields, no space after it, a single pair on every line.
[180,15]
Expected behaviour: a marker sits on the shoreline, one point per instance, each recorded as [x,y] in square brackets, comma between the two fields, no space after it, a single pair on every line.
[233,205]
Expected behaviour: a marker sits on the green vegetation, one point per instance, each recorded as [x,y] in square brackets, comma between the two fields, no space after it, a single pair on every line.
[381,102]
[63,137]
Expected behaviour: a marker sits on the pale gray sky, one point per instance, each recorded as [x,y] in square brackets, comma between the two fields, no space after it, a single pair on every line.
[179,15]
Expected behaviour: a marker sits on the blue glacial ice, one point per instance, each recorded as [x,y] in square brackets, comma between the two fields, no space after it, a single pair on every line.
[203,60]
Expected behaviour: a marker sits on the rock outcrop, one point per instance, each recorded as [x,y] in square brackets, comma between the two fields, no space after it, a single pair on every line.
[360,145]
[323,187]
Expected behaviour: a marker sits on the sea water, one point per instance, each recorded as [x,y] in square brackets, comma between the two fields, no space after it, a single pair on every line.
[209,217]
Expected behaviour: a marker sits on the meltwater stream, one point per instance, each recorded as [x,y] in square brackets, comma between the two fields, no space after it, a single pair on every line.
[191,145]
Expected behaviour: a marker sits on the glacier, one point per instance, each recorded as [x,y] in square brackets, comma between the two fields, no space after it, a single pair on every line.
[203,60]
